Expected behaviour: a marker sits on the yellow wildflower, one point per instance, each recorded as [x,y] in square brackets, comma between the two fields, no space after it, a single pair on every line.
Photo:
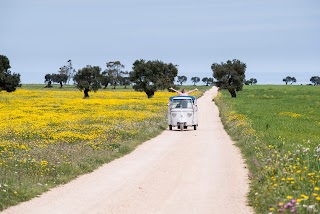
[44,163]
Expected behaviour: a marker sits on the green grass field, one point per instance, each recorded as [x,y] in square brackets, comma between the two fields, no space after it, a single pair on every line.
[278,131]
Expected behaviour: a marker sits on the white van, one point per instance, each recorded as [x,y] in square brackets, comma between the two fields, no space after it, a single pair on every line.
[182,112]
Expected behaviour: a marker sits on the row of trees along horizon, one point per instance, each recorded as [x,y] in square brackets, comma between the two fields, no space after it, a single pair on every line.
[146,76]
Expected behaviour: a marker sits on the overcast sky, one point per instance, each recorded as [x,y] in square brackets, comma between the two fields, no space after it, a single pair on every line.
[275,38]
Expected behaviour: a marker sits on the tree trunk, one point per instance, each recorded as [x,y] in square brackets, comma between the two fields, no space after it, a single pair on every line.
[86,93]
[149,93]
[60,84]
[232,92]
[49,85]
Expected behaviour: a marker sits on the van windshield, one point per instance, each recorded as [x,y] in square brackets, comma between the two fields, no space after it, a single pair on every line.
[181,103]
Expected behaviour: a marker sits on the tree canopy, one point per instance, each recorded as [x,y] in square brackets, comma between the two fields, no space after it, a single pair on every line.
[195,80]
[66,71]
[8,81]
[114,73]
[251,81]
[207,80]
[230,75]
[88,79]
[149,76]
[315,80]
[182,79]
[58,78]
[289,79]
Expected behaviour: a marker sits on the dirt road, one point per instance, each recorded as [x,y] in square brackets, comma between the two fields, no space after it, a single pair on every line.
[177,172]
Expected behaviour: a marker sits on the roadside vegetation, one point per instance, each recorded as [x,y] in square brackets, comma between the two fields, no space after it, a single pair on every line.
[49,136]
[277,130]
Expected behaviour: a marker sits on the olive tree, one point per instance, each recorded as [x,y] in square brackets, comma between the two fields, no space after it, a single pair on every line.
[195,80]
[58,78]
[88,79]
[230,75]
[48,79]
[149,76]
[289,79]
[251,81]
[207,80]
[8,81]
[315,80]
[182,79]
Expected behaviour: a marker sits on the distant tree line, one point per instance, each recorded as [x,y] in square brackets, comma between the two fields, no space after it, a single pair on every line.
[251,81]
[315,80]
[64,75]
[146,76]
[207,81]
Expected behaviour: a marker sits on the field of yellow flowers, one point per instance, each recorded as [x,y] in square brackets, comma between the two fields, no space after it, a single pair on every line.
[48,137]
[278,131]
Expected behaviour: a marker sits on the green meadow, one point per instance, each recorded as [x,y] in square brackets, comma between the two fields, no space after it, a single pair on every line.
[277,129]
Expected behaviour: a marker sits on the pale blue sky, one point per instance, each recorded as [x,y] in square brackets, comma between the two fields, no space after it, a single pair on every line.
[275,38]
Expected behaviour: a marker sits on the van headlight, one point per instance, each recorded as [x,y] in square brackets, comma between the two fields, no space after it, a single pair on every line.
[189,114]
[174,114]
